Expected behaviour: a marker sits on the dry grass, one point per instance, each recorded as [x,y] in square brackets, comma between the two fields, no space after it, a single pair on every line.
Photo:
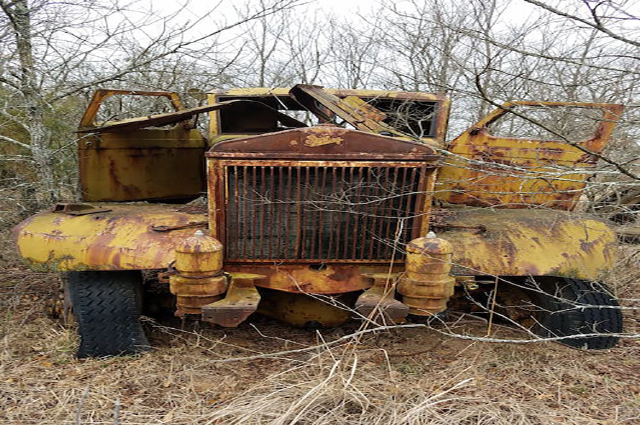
[404,376]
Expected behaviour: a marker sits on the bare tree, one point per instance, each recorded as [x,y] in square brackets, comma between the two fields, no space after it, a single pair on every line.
[55,51]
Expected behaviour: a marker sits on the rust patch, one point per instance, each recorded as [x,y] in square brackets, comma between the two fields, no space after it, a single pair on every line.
[335,279]
[588,246]
[521,173]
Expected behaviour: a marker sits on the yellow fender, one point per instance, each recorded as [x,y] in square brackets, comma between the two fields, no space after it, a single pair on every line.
[527,242]
[485,241]
[114,237]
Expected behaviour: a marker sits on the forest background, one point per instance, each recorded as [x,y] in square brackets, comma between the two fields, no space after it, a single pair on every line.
[481,53]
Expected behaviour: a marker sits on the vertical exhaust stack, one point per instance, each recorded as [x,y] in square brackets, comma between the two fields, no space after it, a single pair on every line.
[427,285]
[198,278]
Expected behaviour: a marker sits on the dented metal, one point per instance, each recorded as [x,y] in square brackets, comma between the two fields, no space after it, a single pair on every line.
[488,171]
[533,242]
[119,239]
[302,218]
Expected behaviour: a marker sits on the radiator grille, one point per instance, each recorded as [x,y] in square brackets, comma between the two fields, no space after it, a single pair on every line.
[320,213]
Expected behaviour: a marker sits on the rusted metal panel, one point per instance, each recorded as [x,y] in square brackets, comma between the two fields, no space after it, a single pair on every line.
[534,242]
[268,208]
[324,142]
[379,300]
[125,161]
[89,118]
[197,278]
[352,109]
[485,170]
[314,279]
[142,164]
[426,285]
[306,310]
[77,209]
[295,213]
[515,243]
[362,93]
[313,214]
[120,239]
[440,101]
[240,302]
[158,120]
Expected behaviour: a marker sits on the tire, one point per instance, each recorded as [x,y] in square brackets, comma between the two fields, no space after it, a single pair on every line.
[107,308]
[570,307]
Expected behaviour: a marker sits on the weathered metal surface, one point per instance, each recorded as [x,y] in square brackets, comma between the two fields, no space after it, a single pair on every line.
[120,239]
[313,212]
[426,285]
[516,242]
[378,301]
[189,225]
[313,279]
[352,109]
[240,302]
[285,172]
[323,201]
[197,279]
[305,310]
[520,173]
[124,161]
[142,164]
[324,142]
[370,96]
[168,118]
[534,242]
[77,209]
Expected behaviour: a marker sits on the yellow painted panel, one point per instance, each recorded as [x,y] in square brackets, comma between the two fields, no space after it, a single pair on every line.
[142,164]
[119,239]
[483,170]
[528,242]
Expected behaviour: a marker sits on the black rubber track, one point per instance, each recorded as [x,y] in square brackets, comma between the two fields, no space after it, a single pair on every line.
[576,307]
[107,308]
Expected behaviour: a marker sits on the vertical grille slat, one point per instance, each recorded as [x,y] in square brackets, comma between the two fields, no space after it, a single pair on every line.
[377,174]
[319,213]
[332,214]
[272,215]
[322,224]
[358,192]
[287,217]
[244,224]
[390,194]
[409,206]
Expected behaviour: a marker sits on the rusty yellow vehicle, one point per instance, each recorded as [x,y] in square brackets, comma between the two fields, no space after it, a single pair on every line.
[316,206]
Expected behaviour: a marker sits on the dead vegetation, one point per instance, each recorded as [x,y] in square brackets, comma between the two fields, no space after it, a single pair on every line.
[403,376]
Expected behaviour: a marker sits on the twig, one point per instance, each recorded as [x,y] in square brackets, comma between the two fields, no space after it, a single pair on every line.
[316,347]
[417,353]
[116,412]
[80,406]
[493,306]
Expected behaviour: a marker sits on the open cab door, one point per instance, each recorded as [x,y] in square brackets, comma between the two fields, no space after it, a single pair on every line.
[487,170]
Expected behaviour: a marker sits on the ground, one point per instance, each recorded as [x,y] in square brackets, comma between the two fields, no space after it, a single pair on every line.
[269,373]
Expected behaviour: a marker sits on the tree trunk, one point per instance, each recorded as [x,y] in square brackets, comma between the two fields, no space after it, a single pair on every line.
[19,15]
